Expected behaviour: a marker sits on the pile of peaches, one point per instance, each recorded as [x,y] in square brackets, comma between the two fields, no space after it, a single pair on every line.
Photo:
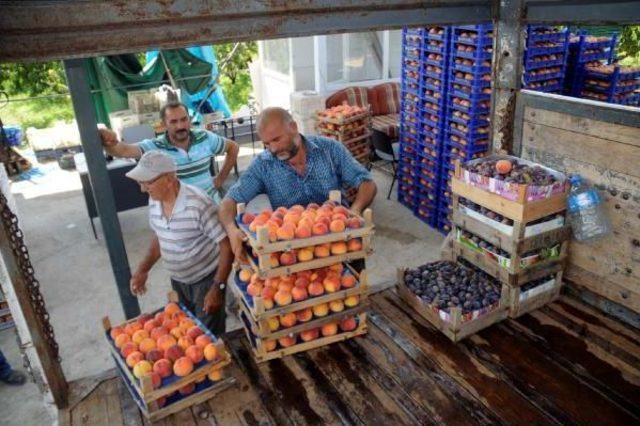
[342,112]
[165,344]
[298,222]
[330,329]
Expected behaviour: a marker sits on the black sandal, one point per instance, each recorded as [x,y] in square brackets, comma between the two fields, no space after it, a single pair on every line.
[15,378]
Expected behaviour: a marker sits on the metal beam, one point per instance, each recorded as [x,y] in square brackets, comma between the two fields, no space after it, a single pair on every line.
[99,178]
[583,12]
[507,71]
[46,30]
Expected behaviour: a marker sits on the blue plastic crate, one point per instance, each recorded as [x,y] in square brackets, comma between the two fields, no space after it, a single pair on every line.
[471,93]
[427,152]
[470,120]
[475,84]
[555,34]
[534,65]
[436,46]
[528,78]
[545,50]
[476,68]
[412,64]
[479,54]
[412,52]
[476,107]
[430,107]
[435,59]
[431,35]
[434,84]
[12,135]
[479,35]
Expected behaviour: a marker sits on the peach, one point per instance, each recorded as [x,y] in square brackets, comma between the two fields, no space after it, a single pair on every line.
[304,315]
[331,284]
[133,358]
[309,335]
[285,286]
[336,306]
[307,221]
[288,320]
[503,166]
[288,258]
[162,367]
[142,319]
[355,223]
[301,281]
[115,332]
[186,324]
[312,206]
[154,355]
[321,310]
[351,301]
[203,340]
[150,325]
[268,293]
[348,281]
[185,341]
[339,247]
[128,348]
[341,210]
[348,324]
[273,323]
[169,324]
[162,401]
[132,327]
[147,345]
[291,218]
[329,329]
[324,220]
[354,244]
[194,353]
[268,304]
[141,368]
[245,275]
[177,332]
[286,232]
[339,216]
[320,228]
[158,332]
[247,218]
[303,230]
[210,352]
[256,223]
[254,289]
[182,367]
[194,332]
[159,318]
[187,389]
[171,308]
[165,342]
[337,225]
[139,336]
[296,208]
[282,298]
[322,250]
[216,375]
[336,267]
[305,254]
[316,289]
[299,293]
[121,339]
[156,380]
[287,341]
[269,345]
[172,353]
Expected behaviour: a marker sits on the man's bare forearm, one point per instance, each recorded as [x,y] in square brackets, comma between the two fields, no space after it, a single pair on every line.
[366,193]
[152,256]
[230,160]
[227,214]
[225,261]
[123,150]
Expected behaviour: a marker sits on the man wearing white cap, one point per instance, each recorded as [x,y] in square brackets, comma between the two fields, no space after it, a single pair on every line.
[191,241]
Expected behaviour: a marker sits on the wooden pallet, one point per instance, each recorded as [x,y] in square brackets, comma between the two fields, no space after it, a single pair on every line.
[258,312]
[538,297]
[515,275]
[455,328]
[262,355]
[143,388]
[259,241]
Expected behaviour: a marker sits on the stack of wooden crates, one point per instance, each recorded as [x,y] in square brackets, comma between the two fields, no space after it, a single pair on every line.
[352,131]
[258,318]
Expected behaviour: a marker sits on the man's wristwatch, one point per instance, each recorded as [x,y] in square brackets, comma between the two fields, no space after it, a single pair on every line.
[221,285]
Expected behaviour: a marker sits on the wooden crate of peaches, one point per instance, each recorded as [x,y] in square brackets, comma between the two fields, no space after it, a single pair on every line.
[299,238]
[168,359]
[348,125]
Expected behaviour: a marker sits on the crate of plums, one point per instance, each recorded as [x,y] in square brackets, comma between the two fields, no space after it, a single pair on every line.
[457,298]
[534,294]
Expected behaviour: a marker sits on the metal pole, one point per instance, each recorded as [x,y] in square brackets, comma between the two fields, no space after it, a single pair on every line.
[100,183]
[507,71]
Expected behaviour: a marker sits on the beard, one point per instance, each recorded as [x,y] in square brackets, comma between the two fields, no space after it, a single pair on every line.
[181,135]
[287,154]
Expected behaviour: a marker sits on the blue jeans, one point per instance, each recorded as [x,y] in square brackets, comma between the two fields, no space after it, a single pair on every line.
[5,368]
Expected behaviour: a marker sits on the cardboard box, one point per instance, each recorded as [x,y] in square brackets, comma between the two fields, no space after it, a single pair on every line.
[143,101]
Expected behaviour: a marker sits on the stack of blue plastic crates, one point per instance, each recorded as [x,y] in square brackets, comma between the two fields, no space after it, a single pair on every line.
[466,127]
[545,58]
[609,83]
[586,50]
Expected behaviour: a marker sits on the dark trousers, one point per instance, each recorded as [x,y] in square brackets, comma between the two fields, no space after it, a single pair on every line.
[192,296]
[5,368]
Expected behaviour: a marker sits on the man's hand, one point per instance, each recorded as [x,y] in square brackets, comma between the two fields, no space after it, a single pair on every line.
[213,300]
[138,283]
[236,239]
[218,181]
[108,137]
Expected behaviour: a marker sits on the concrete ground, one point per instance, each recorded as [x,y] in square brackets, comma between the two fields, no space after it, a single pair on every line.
[78,285]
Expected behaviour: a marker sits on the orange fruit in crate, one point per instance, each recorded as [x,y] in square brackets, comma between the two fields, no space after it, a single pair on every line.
[171,308]
[115,332]
[216,375]
[210,352]
[121,340]
[194,353]
[183,367]
[202,341]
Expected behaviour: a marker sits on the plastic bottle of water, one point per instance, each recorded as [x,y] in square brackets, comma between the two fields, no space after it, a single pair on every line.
[586,214]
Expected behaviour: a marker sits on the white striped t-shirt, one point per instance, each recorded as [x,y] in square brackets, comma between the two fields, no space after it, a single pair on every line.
[189,238]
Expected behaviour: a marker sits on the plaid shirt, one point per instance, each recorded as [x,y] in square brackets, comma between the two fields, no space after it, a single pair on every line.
[329,166]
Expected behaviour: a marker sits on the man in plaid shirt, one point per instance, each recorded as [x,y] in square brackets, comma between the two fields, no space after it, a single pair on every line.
[294,169]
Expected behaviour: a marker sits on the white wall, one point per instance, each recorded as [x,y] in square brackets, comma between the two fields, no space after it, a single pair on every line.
[302,63]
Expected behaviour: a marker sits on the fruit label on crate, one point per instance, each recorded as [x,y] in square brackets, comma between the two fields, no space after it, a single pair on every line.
[535,291]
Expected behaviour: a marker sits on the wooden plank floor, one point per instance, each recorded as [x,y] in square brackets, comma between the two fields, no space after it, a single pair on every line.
[565,363]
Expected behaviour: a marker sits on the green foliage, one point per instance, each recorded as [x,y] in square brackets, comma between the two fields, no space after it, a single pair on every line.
[235,79]
[33,79]
[39,113]
[629,45]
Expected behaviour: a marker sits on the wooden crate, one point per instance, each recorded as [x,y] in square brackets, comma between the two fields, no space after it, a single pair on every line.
[522,303]
[142,389]
[342,121]
[519,210]
[258,312]
[261,354]
[344,135]
[455,327]
[259,241]
[515,275]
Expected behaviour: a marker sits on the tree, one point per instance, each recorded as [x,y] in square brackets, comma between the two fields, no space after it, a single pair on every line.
[629,45]
[234,77]
[33,79]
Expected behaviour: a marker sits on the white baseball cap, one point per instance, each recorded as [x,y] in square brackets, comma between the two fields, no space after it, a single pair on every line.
[151,165]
